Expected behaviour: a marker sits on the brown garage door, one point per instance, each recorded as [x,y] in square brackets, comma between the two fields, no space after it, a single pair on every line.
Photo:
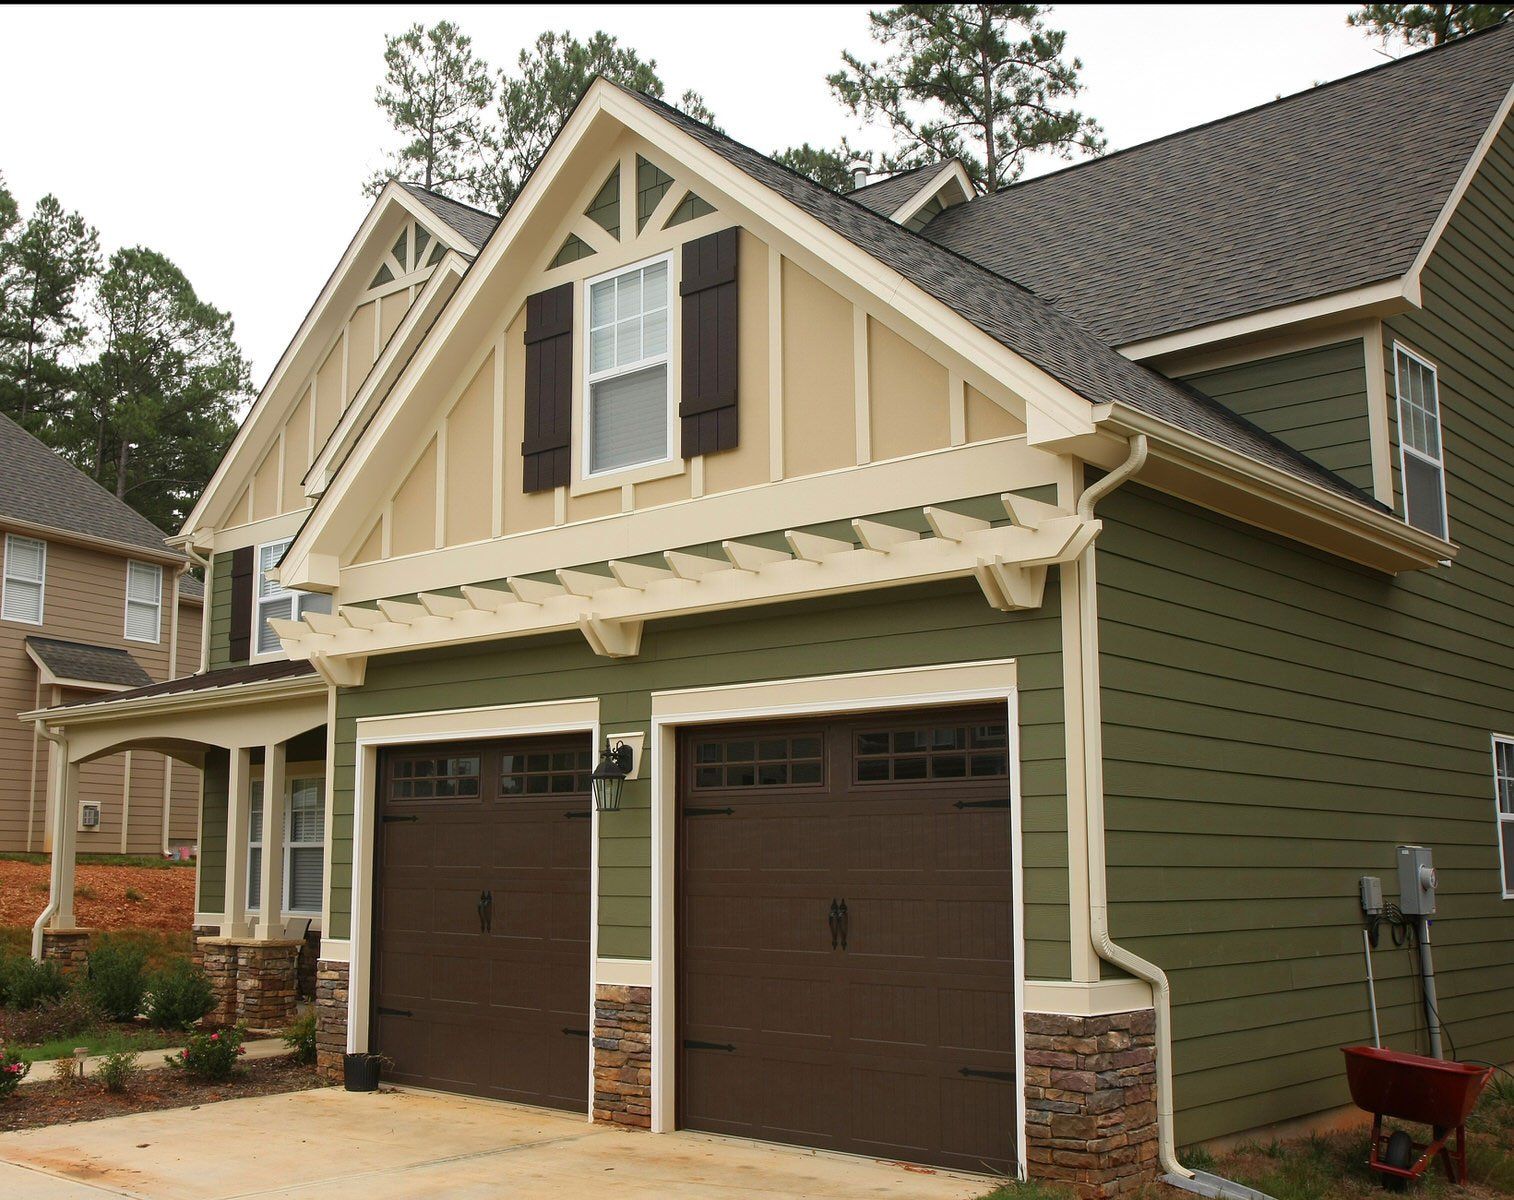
[482,921]
[846,936]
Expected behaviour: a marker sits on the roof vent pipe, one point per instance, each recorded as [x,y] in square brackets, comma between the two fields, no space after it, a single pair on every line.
[860,171]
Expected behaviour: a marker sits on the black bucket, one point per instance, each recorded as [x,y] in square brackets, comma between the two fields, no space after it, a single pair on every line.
[360,1072]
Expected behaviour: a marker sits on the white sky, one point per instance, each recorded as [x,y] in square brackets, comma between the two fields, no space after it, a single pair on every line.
[236,140]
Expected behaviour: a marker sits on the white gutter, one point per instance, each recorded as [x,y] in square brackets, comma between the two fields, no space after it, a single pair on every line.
[54,862]
[1093,773]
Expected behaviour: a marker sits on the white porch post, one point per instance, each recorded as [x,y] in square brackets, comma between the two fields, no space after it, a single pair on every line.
[65,787]
[271,885]
[238,808]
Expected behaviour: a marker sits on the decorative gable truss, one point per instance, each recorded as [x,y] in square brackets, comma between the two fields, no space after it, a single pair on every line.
[610,603]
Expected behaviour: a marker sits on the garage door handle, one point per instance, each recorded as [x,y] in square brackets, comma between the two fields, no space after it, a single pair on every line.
[845,922]
[485,911]
[975,1073]
[834,921]
[690,1045]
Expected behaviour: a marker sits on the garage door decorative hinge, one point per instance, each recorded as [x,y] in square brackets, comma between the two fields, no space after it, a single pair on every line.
[390,817]
[708,812]
[1000,803]
[692,1045]
[975,1073]
[394,1012]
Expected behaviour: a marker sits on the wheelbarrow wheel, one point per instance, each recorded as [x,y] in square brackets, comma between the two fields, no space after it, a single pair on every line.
[1399,1153]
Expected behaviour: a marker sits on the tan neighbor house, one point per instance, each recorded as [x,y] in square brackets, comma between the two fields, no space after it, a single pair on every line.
[93,603]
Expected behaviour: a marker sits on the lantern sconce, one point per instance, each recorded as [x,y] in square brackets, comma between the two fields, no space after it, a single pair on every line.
[620,760]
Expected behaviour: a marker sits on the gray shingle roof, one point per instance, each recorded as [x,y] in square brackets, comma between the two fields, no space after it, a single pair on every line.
[1011,315]
[1326,190]
[887,195]
[95,664]
[191,588]
[40,488]
[473,224]
[224,677]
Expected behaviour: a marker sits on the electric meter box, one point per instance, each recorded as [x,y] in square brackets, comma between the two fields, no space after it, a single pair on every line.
[1416,881]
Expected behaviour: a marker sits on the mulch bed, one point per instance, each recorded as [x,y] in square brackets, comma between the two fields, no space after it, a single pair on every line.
[168,895]
[51,1103]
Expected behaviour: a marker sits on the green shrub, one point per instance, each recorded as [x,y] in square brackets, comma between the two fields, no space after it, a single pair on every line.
[61,1017]
[135,896]
[118,1071]
[117,978]
[300,1038]
[7,964]
[12,1071]
[30,983]
[179,996]
[209,1056]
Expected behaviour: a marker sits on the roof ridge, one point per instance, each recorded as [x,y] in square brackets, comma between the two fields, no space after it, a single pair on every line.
[1376,68]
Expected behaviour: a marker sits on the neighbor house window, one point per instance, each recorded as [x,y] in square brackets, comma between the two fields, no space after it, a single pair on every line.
[276,601]
[144,601]
[1503,785]
[304,845]
[628,419]
[25,569]
[1421,460]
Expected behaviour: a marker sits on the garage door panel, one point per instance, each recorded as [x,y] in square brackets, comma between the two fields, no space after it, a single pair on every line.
[487,1007]
[862,1047]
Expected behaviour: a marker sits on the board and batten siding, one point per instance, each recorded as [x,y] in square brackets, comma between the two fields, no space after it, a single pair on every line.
[219,605]
[872,631]
[1313,400]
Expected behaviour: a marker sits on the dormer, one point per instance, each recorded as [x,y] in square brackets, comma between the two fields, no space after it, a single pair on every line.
[912,198]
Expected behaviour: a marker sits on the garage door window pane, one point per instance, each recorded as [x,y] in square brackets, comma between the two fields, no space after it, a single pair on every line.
[545,773]
[931,752]
[448,777]
[767,762]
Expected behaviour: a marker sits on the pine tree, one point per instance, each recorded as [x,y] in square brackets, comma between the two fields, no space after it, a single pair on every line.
[827,167]
[986,83]
[436,95]
[1426,24]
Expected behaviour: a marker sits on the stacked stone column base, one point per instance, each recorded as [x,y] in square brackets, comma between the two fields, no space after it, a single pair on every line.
[1090,1099]
[69,948]
[255,983]
[623,1056]
[330,1018]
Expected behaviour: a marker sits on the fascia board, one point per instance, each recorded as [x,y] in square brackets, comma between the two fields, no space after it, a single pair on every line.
[953,170]
[50,533]
[243,693]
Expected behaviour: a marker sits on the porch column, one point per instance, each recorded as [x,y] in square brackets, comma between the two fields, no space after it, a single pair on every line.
[62,807]
[238,809]
[271,886]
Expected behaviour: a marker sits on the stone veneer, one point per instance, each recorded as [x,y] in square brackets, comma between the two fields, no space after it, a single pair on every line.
[1090,1100]
[623,1056]
[255,982]
[69,948]
[330,1018]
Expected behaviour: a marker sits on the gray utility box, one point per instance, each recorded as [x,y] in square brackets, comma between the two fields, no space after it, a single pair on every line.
[1416,881]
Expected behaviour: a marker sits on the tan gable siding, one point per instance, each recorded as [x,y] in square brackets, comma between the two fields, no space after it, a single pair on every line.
[413,516]
[392,310]
[362,349]
[819,394]
[296,454]
[986,420]
[470,460]
[906,394]
[266,487]
[328,394]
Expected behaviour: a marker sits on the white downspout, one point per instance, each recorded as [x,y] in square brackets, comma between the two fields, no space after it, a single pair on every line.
[173,672]
[52,890]
[1093,770]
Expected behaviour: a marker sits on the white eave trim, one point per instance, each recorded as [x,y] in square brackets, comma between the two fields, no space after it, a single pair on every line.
[1375,299]
[255,691]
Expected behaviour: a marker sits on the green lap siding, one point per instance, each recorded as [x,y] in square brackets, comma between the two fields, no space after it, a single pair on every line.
[890,629]
[220,612]
[1277,721]
[1314,400]
[210,895]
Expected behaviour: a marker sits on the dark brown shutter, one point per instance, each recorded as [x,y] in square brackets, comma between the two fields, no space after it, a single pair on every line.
[707,408]
[546,456]
[241,604]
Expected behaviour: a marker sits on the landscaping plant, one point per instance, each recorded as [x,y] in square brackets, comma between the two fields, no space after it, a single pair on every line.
[118,1071]
[179,996]
[62,1017]
[12,1071]
[30,983]
[117,978]
[67,1071]
[300,1038]
[209,1056]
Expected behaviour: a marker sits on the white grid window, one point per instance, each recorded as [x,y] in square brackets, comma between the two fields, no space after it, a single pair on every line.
[255,846]
[305,846]
[628,395]
[1421,460]
[144,601]
[25,571]
[1503,786]
[274,600]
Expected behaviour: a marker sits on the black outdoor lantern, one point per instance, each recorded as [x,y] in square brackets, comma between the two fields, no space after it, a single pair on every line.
[610,775]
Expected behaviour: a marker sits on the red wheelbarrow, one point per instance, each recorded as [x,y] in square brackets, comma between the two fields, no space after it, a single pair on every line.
[1427,1091]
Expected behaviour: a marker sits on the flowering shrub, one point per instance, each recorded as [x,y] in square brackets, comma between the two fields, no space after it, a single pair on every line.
[209,1056]
[12,1071]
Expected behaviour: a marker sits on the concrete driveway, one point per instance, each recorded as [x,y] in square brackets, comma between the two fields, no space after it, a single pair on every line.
[382,1146]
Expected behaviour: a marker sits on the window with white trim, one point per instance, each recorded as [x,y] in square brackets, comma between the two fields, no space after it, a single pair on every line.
[304,845]
[628,395]
[144,601]
[25,572]
[1503,787]
[1421,460]
[276,601]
